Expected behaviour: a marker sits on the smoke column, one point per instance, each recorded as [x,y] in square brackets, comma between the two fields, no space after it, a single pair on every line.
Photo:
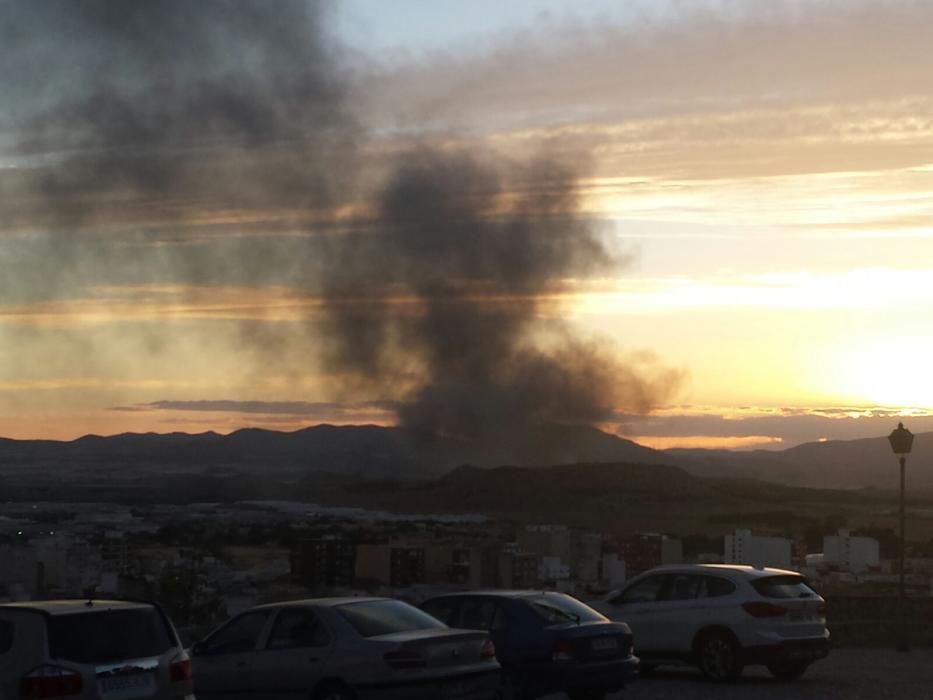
[446,304]
[230,115]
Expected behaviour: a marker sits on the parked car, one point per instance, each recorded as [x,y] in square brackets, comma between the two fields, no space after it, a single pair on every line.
[343,649]
[91,649]
[723,617]
[546,642]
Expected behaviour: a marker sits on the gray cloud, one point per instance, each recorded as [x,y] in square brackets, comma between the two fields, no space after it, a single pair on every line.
[745,90]
[317,410]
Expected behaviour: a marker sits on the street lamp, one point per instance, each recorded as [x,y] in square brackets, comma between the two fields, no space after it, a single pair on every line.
[901,441]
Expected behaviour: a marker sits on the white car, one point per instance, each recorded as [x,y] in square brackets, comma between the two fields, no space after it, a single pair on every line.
[721,618]
[91,649]
[344,649]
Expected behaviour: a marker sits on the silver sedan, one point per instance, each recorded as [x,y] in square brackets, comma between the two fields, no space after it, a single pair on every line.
[343,649]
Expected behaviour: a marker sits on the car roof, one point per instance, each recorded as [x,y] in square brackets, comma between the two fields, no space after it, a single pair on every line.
[331,602]
[738,569]
[68,607]
[497,593]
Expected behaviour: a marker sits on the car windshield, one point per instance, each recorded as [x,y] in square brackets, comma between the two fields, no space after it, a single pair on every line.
[783,587]
[104,636]
[377,617]
[556,608]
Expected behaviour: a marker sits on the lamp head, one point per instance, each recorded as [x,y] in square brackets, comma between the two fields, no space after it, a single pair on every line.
[901,440]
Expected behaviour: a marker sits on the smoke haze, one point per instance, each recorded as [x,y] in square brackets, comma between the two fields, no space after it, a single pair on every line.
[142,140]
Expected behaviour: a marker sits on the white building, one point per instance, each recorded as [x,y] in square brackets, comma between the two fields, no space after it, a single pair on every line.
[614,570]
[552,569]
[848,553]
[745,548]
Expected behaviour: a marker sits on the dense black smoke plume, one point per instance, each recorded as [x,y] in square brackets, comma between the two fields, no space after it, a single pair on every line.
[121,117]
[446,304]
[142,112]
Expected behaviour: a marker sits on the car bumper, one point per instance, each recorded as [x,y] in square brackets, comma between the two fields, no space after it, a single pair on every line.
[606,675]
[790,649]
[474,686]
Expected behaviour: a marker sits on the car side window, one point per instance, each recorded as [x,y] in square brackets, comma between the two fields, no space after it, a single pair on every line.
[297,629]
[239,635]
[477,614]
[647,590]
[682,587]
[716,587]
[442,609]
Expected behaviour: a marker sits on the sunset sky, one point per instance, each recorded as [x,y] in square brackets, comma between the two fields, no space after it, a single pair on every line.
[762,171]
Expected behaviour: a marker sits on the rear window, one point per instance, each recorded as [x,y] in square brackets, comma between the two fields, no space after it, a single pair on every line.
[557,609]
[105,636]
[783,587]
[441,608]
[373,618]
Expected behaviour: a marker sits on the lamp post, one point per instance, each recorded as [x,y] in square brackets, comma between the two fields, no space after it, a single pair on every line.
[901,441]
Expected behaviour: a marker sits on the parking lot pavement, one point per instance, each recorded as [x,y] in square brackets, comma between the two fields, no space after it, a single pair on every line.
[844,675]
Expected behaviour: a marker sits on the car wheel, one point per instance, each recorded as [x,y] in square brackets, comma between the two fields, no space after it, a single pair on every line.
[334,691]
[786,670]
[718,656]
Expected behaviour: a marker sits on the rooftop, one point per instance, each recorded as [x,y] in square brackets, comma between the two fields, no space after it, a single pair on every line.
[67,607]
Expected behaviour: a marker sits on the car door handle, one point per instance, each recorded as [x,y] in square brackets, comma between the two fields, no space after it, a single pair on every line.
[241,664]
[313,659]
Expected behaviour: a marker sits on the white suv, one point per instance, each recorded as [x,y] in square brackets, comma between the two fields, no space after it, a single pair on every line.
[91,650]
[722,617]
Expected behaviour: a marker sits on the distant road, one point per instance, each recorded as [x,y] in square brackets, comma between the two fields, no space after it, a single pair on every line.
[845,675]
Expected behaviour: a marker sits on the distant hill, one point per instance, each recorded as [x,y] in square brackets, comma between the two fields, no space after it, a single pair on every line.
[835,464]
[33,469]
[366,452]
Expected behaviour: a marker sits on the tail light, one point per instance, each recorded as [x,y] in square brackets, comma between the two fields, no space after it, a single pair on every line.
[761,609]
[404,659]
[488,650]
[180,669]
[50,682]
[563,651]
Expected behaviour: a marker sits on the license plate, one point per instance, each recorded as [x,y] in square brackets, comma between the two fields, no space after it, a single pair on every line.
[800,616]
[605,644]
[139,685]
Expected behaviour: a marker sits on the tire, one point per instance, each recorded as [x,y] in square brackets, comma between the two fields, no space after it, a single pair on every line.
[786,670]
[718,656]
[333,691]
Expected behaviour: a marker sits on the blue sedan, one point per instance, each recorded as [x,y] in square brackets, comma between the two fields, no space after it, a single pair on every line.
[546,642]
